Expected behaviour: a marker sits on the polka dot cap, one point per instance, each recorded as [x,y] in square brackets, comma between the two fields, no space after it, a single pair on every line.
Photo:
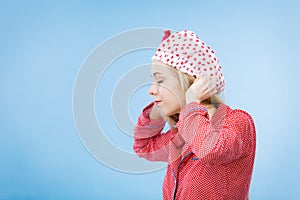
[186,52]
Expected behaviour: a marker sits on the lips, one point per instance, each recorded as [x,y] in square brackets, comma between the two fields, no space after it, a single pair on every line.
[157,101]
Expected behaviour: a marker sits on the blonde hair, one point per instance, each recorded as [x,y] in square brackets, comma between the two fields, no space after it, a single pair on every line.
[186,81]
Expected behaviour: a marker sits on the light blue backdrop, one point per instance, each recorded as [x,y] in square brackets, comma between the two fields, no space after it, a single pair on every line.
[43,44]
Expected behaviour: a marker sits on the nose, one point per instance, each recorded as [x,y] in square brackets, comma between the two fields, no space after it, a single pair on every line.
[153,89]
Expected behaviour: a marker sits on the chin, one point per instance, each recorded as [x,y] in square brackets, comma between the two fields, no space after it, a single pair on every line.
[169,111]
[172,112]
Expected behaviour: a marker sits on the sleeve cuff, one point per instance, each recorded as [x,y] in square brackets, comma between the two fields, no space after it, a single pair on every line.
[191,108]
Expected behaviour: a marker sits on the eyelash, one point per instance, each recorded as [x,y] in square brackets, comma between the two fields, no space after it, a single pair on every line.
[159,81]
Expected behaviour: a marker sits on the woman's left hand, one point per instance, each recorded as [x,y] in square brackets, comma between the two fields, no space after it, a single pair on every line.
[200,90]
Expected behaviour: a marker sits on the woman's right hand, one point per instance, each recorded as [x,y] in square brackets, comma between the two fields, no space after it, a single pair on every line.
[156,113]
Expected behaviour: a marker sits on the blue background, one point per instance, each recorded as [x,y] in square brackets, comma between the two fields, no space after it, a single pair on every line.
[43,44]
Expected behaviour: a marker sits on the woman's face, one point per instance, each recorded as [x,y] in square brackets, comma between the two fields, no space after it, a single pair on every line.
[166,90]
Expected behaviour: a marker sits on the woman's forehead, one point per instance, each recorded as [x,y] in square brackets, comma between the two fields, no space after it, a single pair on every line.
[159,67]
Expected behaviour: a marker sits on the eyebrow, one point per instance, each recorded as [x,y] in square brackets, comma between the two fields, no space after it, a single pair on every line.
[155,73]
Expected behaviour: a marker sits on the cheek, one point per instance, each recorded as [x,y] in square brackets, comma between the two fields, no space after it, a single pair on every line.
[177,93]
[169,94]
[173,98]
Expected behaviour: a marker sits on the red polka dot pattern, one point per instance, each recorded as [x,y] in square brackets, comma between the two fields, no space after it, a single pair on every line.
[186,52]
[207,159]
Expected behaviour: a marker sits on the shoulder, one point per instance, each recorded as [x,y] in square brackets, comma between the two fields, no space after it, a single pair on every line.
[241,119]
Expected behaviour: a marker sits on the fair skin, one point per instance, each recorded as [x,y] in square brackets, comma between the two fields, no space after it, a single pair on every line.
[168,95]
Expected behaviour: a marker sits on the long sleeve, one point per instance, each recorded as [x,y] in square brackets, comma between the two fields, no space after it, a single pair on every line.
[149,141]
[227,137]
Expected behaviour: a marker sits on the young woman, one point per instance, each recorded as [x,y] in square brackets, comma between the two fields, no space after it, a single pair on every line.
[210,147]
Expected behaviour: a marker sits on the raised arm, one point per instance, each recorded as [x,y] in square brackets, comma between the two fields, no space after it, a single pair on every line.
[149,141]
[228,136]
